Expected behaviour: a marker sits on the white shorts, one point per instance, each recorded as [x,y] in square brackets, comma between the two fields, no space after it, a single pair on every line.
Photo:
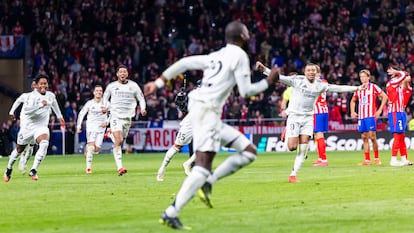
[209,132]
[120,124]
[185,134]
[206,122]
[28,136]
[231,137]
[299,125]
[95,137]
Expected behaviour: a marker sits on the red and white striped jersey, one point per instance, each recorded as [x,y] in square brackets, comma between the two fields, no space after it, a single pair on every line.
[367,100]
[395,93]
[321,105]
[408,91]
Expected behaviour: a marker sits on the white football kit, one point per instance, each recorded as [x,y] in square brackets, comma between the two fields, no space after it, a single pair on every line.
[122,102]
[302,102]
[36,116]
[223,69]
[20,100]
[94,130]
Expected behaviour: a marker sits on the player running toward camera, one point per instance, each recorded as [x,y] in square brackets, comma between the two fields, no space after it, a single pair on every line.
[367,114]
[121,99]
[37,109]
[321,124]
[95,125]
[399,91]
[223,70]
[299,126]
[28,151]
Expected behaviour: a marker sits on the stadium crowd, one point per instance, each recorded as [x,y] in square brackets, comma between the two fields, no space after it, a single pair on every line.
[80,43]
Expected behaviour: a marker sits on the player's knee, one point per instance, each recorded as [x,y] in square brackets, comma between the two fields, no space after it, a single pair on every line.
[252,149]
[292,147]
[249,156]
[43,145]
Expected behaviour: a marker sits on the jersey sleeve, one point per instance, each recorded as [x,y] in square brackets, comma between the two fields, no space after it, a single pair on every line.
[341,88]
[197,62]
[55,107]
[82,114]
[106,96]
[243,78]
[17,102]
[140,97]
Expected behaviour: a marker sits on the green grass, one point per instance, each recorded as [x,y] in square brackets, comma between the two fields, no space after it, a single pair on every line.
[343,197]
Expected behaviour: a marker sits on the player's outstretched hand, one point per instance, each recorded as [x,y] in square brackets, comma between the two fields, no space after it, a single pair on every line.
[260,67]
[149,89]
[274,75]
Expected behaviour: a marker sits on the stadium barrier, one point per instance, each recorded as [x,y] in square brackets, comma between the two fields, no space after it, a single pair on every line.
[266,137]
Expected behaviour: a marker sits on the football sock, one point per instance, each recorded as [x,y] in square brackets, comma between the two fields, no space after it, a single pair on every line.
[40,154]
[12,158]
[376,155]
[231,165]
[367,155]
[403,147]
[300,158]
[395,145]
[89,156]
[117,151]
[169,155]
[27,153]
[189,188]
[321,148]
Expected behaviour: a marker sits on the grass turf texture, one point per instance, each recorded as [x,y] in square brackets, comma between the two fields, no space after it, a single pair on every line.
[343,197]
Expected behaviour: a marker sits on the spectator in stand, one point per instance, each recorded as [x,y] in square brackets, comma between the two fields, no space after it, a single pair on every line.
[367,114]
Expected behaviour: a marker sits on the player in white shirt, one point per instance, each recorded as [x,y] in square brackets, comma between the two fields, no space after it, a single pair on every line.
[184,137]
[223,70]
[299,126]
[121,98]
[28,151]
[95,125]
[37,109]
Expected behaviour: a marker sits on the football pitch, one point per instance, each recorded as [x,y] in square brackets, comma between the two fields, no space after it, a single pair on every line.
[343,197]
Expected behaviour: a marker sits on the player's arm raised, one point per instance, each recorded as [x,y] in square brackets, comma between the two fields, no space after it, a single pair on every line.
[196,62]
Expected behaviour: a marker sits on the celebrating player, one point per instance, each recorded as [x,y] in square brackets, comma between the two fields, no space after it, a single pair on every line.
[37,110]
[121,98]
[367,114]
[299,126]
[399,91]
[95,125]
[223,69]
[28,151]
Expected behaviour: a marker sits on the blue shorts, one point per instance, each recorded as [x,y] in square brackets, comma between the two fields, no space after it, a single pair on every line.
[367,124]
[397,121]
[320,123]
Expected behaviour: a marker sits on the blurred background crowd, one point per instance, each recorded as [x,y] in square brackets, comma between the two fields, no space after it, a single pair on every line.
[79,43]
